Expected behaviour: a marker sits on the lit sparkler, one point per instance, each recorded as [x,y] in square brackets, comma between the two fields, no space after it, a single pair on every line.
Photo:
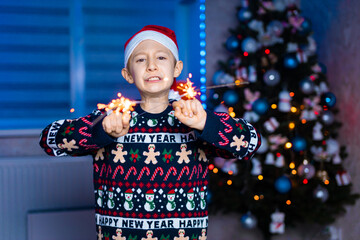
[118,105]
[187,90]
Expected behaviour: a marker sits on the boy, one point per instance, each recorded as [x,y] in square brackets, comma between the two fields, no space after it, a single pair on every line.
[150,165]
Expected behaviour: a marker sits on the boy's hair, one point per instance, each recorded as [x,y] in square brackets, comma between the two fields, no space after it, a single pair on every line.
[161,34]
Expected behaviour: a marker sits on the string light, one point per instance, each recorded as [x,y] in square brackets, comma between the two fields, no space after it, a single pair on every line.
[260,177]
[72,110]
[202,27]
[305,181]
[291,125]
[229,182]
[292,165]
[273,106]
[256,197]
[288,145]
[293,172]
[293,109]
[211,167]
[288,202]
[215,170]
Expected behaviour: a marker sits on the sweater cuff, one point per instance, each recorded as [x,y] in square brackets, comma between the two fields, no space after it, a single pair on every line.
[212,123]
[101,138]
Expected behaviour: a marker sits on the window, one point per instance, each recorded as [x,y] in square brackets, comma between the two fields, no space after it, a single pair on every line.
[58,55]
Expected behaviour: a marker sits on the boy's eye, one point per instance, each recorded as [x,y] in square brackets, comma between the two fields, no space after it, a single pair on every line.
[162,58]
[140,60]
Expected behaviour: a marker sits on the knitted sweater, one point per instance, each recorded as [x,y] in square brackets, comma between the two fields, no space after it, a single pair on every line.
[151,183]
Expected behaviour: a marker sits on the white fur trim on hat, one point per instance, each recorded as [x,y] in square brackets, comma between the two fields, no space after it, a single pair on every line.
[151,35]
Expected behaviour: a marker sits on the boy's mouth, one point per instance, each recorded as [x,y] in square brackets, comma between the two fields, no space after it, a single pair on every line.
[153,79]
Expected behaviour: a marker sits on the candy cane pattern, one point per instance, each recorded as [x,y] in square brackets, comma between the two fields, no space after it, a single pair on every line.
[182,172]
[192,172]
[86,121]
[206,171]
[171,169]
[81,131]
[132,169]
[96,167]
[102,168]
[199,171]
[119,167]
[158,169]
[226,140]
[142,172]
[108,170]
[82,143]
[225,117]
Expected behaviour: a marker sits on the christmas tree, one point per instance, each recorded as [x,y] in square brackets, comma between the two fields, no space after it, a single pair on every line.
[273,80]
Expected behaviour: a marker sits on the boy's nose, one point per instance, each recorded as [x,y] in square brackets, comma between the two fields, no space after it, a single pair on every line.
[151,65]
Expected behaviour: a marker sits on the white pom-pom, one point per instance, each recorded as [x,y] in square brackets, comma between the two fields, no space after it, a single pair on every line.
[174,95]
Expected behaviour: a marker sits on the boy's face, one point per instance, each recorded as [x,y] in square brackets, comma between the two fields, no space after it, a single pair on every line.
[152,68]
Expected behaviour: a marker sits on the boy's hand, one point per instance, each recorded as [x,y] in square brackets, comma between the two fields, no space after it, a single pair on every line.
[191,113]
[116,124]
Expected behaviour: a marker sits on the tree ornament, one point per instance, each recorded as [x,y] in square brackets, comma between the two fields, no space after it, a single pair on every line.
[323,175]
[244,14]
[277,224]
[252,76]
[221,77]
[321,193]
[290,61]
[306,170]
[283,184]
[275,27]
[284,101]
[248,220]
[298,144]
[333,150]
[269,159]
[342,178]
[232,44]
[280,160]
[271,125]
[231,97]
[305,27]
[307,86]
[260,106]
[327,117]
[328,99]
[256,167]
[249,45]
[317,133]
[272,77]
[264,145]
[276,140]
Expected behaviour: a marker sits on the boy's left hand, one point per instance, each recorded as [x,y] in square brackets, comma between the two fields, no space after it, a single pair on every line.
[191,113]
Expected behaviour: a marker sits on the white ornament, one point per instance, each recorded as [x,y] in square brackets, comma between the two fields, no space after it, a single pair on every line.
[251,116]
[277,224]
[271,125]
[256,167]
[280,161]
[317,134]
[342,178]
[252,76]
[269,159]
[284,101]
[264,145]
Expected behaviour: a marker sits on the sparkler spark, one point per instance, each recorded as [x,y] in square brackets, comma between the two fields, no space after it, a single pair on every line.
[121,104]
[187,90]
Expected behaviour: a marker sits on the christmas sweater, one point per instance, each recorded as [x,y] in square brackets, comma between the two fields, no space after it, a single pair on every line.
[151,183]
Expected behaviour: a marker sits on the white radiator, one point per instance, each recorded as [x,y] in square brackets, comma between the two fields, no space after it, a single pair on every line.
[31,184]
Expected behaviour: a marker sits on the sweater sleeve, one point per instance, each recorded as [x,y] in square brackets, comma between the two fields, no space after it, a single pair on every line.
[75,137]
[229,137]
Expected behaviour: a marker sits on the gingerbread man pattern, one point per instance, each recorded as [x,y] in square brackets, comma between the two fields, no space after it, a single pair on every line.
[149,235]
[100,235]
[68,145]
[203,235]
[118,235]
[202,155]
[183,154]
[119,153]
[151,155]
[181,235]
[238,142]
[100,154]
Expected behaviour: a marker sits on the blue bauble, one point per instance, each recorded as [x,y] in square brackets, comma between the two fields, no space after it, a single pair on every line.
[248,220]
[249,45]
[232,43]
[275,27]
[305,28]
[328,99]
[307,86]
[271,77]
[283,184]
[298,144]
[290,61]
[231,97]
[244,14]
[260,106]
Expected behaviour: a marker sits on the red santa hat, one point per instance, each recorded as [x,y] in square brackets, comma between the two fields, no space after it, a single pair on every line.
[160,34]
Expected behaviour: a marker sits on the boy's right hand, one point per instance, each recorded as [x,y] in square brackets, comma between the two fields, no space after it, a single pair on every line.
[116,124]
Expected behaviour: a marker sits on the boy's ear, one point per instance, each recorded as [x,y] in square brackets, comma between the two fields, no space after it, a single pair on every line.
[178,68]
[127,75]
